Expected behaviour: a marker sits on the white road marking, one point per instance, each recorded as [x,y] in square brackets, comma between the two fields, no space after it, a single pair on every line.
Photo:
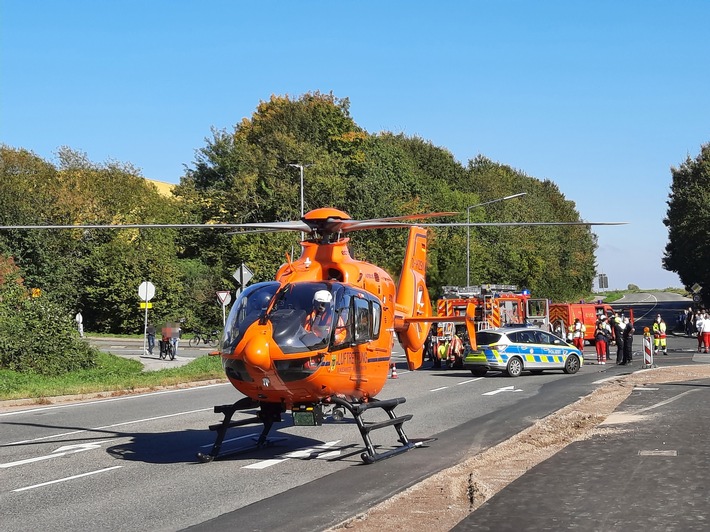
[265,463]
[62,451]
[67,478]
[311,451]
[504,389]
[438,389]
[658,453]
[79,447]
[329,454]
[64,434]
[123,398]
[663,403]
[308,452]
[469,380]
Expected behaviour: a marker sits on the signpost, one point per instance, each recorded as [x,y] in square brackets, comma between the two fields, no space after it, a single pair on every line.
[146,291]
[224,297]
[243,275]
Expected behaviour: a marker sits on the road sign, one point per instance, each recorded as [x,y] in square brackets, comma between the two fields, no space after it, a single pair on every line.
[696,288]
[146,291]
[243,275]
[224,297]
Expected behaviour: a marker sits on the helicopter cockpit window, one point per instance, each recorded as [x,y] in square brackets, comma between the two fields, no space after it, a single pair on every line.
[250,306]
[302,316]
[342,335]
[363,321]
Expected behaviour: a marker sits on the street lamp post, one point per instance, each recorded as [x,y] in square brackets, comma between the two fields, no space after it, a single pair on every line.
[468,230]
[300,167]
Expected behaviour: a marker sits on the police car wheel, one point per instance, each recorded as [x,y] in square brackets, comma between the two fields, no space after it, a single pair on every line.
[515,367]
[572,364]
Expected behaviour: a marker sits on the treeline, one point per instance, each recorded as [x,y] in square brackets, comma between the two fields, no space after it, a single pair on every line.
[245,175]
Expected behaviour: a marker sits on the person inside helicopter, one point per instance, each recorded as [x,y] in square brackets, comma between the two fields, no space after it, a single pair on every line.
[319,320]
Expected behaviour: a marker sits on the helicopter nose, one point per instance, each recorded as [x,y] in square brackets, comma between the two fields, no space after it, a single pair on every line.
[256,352]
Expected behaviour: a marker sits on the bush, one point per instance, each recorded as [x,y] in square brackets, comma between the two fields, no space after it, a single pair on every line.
[36,336]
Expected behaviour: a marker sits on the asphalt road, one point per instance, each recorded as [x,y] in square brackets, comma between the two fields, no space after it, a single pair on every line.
[129,462]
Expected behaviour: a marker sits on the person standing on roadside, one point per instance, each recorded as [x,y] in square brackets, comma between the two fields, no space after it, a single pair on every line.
[705,332]
[690,323]
[659,335]
[600,340]
[150,334]
[79,323]
[619,337]
[628,341]
[698,328]
[578,334]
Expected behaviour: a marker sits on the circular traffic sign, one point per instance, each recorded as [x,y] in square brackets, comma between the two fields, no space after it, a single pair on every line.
[146,291]
[696,298]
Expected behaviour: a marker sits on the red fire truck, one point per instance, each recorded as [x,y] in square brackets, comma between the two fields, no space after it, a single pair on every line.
[562,315]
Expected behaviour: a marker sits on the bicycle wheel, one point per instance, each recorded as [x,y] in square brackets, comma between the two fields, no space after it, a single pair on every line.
[214,341]
[171,352]
[194,341]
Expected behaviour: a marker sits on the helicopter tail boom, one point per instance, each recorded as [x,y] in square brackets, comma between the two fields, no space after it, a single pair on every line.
[413,298]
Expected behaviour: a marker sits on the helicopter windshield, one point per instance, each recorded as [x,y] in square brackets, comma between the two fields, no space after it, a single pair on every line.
[302,316]
[250,306]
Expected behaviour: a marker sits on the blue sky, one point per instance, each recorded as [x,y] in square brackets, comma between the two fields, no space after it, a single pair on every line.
[600,97]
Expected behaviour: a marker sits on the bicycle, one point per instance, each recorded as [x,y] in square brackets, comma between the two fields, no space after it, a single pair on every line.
[211,339]
[167,350]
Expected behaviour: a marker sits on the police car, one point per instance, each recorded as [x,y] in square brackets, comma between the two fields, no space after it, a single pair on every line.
[517,349]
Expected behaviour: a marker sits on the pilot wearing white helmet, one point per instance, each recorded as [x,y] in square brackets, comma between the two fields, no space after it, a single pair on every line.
[317,321]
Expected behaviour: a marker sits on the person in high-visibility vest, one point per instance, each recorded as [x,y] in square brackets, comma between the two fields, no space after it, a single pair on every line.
[443,351]
[659,335]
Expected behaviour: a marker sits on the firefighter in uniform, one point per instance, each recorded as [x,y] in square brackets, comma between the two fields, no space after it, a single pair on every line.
[659,335]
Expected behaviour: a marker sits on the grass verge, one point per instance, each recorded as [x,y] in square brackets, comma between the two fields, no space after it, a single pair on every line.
[112,373]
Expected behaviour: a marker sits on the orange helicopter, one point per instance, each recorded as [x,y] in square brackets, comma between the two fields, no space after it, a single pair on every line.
[320,336]
[318,339]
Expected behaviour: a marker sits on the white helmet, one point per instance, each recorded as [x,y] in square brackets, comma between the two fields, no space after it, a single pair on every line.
[323,296]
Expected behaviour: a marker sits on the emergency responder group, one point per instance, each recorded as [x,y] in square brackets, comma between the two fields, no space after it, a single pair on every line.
[618,330]
[698,324]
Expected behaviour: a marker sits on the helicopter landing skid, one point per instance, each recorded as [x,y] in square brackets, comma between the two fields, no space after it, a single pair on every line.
[388,405]
[268,415]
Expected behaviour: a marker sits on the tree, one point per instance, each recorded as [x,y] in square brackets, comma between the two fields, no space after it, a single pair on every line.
[688,250]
